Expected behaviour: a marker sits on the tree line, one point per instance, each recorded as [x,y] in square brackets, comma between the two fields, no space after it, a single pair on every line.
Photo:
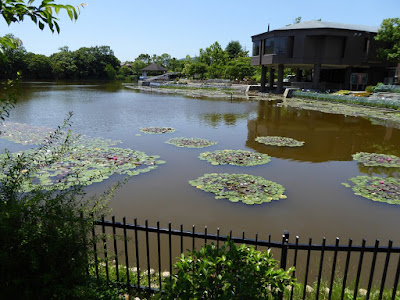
[100,62]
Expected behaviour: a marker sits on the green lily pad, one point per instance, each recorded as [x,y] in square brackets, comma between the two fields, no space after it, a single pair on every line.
[376,188]
[235,157]
[157,130]
[190,142]
[244,188]
[377,160]
[279,141]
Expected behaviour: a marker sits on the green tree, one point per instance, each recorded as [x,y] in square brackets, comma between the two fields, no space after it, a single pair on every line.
[63,64]
[234,49]
[110,71]
[389,38]
[37,66]
[240,68]
[12,58]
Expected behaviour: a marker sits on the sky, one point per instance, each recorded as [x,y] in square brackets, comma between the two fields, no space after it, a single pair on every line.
[182,27]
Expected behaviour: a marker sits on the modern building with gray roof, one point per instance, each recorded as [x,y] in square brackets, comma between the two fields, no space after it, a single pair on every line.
[326,54]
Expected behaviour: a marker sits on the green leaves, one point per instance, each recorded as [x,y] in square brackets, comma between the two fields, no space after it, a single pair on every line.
[190,142]
[228,272]
[377,160]
[377,188]
[235,157]
[279,141]
[157,130]
[245,188]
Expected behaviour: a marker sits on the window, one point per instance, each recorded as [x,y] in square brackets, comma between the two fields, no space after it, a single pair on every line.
[276,45]
[256,48]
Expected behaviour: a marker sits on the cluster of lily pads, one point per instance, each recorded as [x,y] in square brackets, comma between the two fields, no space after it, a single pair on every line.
[377,160]
[245,188]
[279,141]
[157,130]
[87,165]
[23,133]
[190,142]
[376,188]
[235,157]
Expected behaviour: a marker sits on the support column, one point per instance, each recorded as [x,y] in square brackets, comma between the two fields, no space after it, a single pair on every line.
[271,78]
[279,88]
[316,75]
[299,75]
[347,78]
[263,78]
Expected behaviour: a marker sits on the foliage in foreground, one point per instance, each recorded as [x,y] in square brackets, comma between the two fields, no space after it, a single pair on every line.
[229,272]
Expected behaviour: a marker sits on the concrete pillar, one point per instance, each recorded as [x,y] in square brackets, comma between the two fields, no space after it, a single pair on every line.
[279,88]
[299,74]
[271,78]
[263,78]
[316,75]
[347,76]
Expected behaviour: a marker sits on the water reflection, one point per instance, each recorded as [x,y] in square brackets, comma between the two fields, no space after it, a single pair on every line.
[327,137]
[217,119]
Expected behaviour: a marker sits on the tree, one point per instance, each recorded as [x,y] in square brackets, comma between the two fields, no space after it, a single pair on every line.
[240,68]
[389,38]
[234,49]
[13,58]
[297,20]
[38,66]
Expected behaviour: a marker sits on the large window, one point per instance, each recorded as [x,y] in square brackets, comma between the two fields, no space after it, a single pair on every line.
[256,48]
[275,45]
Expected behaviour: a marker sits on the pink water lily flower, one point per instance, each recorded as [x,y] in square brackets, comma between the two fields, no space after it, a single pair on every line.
[115,158]
[381,182]
[389,159]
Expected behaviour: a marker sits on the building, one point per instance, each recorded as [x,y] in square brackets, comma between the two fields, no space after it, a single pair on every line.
[325,55]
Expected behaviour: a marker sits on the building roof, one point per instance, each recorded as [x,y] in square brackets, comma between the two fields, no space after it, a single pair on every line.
[154,67]
[332,25]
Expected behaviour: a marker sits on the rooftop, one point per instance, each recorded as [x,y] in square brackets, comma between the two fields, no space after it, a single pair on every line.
[332,25]
[154,67]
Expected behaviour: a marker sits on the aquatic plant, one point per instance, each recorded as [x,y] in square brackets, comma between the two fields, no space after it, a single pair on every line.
[245,188]
[235,157]
[376,188]
[190,142]
[279,141]
[87,165]
[375,159]
[157,130]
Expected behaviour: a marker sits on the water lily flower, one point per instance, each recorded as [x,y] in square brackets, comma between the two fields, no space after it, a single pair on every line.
[389,159]
[115,158]
[381,182]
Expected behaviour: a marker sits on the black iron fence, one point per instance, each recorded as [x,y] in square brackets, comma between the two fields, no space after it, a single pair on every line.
[139,256]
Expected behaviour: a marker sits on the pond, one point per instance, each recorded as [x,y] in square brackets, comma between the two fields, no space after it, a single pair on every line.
[316,203]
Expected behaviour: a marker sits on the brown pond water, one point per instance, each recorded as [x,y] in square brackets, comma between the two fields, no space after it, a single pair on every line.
[317,204]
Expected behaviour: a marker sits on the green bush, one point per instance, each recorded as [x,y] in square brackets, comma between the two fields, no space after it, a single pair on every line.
[230,272]
[380,87]
[369,88]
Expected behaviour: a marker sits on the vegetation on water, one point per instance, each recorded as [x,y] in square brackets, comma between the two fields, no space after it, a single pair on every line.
[279,141]
[157,130]
[379,189]
[235,157]
[375,115]
[244,188]
[393,104]
[377,160]
[190,142]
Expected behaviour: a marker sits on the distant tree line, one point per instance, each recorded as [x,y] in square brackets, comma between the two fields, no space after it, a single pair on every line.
[85,63]
[100,63]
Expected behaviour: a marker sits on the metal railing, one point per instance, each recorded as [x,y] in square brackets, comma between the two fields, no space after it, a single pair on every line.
[152,249]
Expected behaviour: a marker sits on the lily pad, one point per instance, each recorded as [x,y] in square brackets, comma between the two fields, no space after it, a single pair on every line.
[235,157]
[157,130]
[190,142]
[279,141]
[377,160]
[376,188]
[244,188]
[86,165]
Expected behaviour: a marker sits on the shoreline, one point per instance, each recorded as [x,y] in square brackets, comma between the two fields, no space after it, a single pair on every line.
[375,114]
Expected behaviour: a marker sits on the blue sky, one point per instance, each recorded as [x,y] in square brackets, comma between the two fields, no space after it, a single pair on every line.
[181,27]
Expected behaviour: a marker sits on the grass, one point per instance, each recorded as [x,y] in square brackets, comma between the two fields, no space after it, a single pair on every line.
[392,104]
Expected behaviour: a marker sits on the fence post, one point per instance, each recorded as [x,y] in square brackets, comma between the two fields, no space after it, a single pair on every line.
[285,241]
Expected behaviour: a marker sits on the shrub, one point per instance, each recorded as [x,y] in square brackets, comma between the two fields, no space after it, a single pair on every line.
[369,89]
[229,272]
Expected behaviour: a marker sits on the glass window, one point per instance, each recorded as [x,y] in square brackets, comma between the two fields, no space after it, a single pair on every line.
[256,48]
[269,46]
[276,45]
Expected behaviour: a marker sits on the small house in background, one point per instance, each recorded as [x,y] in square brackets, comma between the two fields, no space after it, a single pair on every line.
[325,55]
[153,69]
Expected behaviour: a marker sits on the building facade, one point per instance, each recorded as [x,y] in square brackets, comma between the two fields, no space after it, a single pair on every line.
[325,55]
